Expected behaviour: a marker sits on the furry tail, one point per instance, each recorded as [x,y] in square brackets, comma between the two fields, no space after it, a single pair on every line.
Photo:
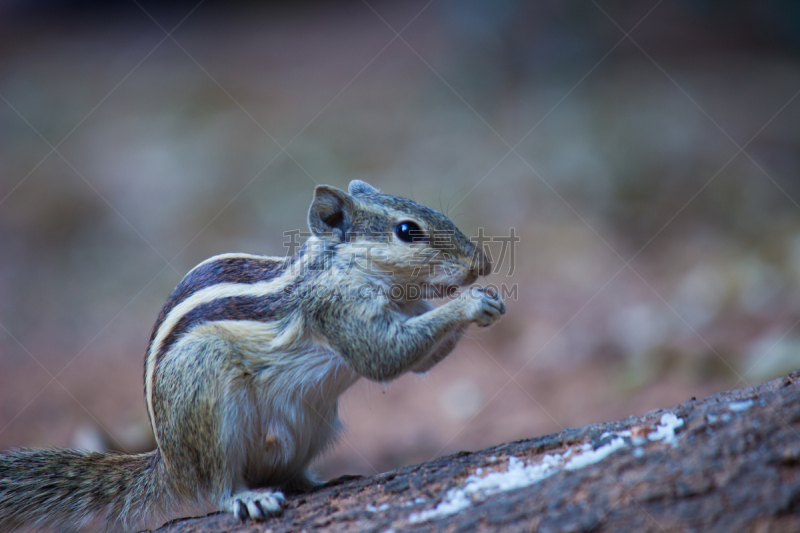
[67,489]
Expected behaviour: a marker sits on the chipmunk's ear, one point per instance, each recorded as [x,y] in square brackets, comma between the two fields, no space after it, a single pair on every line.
[361,187]
[331,213]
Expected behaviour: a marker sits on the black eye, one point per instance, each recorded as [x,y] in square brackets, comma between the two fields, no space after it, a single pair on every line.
[409,231]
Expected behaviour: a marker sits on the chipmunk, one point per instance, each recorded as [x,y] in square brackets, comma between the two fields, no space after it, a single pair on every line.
[248,358]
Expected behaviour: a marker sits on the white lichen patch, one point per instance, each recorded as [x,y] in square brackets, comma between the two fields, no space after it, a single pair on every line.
[665,431]
[589,456]
[518,474]
[743,405]
[623,433]
[373,509]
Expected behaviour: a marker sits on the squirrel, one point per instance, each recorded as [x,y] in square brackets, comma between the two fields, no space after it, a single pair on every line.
[248,358]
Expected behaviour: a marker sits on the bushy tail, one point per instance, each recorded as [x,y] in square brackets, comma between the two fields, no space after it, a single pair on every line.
[67,489]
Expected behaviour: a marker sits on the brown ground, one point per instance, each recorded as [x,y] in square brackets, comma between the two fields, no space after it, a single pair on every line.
[733,466]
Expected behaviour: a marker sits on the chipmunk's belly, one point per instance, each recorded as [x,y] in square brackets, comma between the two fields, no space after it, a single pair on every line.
[299,415]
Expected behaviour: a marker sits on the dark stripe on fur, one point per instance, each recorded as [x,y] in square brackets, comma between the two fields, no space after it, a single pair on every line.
[229,270]
[261,308]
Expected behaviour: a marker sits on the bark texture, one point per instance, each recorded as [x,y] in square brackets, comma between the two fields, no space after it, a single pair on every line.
[730,462]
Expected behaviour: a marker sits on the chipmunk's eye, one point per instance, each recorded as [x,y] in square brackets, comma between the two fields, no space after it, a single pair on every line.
[409,231]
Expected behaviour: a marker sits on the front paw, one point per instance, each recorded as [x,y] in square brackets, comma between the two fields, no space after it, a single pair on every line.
[255,504]
[486,306]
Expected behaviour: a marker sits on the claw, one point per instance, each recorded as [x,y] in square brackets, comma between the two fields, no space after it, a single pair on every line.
[239,510]
[256,505]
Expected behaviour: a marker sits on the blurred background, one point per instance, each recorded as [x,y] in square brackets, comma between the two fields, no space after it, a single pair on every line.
[646,154]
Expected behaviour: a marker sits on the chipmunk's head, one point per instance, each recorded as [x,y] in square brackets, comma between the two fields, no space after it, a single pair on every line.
[389,236]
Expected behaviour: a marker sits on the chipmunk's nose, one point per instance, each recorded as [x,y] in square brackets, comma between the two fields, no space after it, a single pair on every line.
[480,264]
